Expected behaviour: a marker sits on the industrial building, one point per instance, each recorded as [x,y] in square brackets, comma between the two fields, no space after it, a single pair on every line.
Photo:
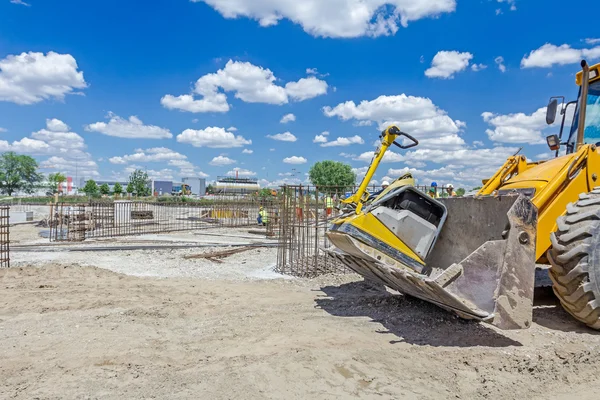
[231,185]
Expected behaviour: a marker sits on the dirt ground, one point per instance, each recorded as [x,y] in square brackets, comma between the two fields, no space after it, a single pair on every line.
[73,330]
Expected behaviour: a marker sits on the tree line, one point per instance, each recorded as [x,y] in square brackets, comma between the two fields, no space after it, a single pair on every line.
[19,174]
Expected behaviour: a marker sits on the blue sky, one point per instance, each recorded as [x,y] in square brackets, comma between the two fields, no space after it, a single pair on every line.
[103,87]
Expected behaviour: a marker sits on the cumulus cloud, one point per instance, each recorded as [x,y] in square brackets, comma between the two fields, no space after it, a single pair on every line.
[213,137]
[344,141]
[338,18]
[242,173]
[295,160]
[249,83]
[132,128]
[247,151]
[549,55]
[283,137]
[447,63]
[288,118]
[66,149]
[56,125]
[159,155]
[221,160]
[322,138]
[29,78]
[521,127]
[418,116]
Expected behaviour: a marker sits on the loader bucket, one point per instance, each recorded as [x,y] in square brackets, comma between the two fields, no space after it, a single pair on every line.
[482,265]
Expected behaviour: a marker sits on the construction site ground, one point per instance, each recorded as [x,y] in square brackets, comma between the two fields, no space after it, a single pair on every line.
[137,323]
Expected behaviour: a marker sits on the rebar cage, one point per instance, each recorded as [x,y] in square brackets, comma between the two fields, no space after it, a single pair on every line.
[4,236]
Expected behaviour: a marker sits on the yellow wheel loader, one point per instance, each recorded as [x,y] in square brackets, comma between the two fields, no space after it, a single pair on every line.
[477,256]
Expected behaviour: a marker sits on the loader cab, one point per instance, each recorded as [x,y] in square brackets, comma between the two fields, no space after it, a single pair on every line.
[591,130]
[589,103]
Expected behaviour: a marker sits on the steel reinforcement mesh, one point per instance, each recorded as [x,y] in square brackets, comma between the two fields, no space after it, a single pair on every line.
[122,218]
[4,236]
[305,215]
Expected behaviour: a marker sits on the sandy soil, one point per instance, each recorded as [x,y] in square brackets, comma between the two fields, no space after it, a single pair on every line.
[83,332]
[151,324]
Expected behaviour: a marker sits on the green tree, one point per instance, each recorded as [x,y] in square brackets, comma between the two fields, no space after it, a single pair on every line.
[90,188]
[332,174]
[265,193]
[460,192]
[129,188]
[104,189]
[18,173]
[118,189]
[140,182]
[210,189]
[55,180]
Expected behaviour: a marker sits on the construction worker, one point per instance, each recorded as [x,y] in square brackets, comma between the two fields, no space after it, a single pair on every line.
[433,190]
[263,217]
[384,185]
[328,205]
[450,190]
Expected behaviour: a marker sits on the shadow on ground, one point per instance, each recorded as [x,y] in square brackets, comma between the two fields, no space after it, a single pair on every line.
[549,313]
[407,319]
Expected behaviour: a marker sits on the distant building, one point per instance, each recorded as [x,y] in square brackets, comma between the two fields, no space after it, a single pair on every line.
[197,185]
[161,188]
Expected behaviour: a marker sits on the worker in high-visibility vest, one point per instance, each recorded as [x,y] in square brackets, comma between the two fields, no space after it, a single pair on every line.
[450,190]
[328,204]
[263,217]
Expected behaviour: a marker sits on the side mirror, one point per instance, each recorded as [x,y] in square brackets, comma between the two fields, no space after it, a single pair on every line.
[551,111]
[553,142]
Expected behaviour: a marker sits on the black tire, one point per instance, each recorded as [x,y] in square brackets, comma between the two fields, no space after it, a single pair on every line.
[575,259]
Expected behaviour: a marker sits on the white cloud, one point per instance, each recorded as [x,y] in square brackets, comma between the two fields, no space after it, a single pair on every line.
[500,63]
[320,138]
[283,137]
[312,71]
[344,141]
[222,160]
[592,41]
[288,118]
[549,55]
[519,127]
[20,2]
[249,83]
[306,88]
[337,18]
[31,77]
[155,154]
[56,125]
[478,143]
[247,151]
[195,120]
[446,63]
[232,129]
[242,173]
[3,130]
[478,67]
[159,155]
[66,149]
[389,157]
[417,116]
[295,160]
[213,137]
[347,155]
[132,128]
